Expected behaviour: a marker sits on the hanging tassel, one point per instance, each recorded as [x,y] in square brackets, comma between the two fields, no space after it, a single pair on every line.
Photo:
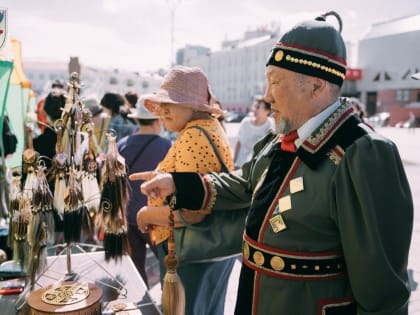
[41,226]
[14,196]
[38,253]
[173,292]
[21,220]
[30,161]
[111,218]
[43,204]
[59,172]
[73,200]
[4,192]
[90,185]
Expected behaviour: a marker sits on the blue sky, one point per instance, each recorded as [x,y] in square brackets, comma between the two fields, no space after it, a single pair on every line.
[135,34]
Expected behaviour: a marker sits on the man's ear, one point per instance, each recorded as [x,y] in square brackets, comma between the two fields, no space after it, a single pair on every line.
[318,85]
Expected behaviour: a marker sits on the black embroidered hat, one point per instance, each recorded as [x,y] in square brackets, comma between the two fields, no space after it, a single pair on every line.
[314,48]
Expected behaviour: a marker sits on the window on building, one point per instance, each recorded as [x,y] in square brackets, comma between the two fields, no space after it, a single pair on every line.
[418,97]
[402,95]
[377,77]
[387,76]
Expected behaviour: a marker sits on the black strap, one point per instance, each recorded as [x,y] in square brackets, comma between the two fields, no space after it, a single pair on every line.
[216,151]
[141,151]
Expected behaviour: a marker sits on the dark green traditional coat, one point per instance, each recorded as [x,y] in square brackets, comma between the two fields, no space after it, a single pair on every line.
[329,227]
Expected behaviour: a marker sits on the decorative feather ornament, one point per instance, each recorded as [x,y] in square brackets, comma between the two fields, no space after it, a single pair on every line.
[4,191]
[90,187]
[20,222]
[30,162]
[15,194]
[72,116]
[42,208]
[38,254]
[59,171]
[41,227]
[90,184]
[111,217]
[73,200]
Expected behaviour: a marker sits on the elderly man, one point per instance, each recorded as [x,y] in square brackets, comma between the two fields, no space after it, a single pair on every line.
[330,219]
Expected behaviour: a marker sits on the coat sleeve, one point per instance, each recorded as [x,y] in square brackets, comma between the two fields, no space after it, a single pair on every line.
[373,208]
[220,191]
[224,191]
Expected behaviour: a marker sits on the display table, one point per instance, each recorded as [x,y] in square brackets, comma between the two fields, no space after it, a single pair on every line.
[119,281]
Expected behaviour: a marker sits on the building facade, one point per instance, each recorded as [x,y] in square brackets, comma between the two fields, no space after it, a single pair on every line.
[389,54]
[236,72]
[95,82]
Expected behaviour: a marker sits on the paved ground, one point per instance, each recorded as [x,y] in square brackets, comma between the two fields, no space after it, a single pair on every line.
[409,146]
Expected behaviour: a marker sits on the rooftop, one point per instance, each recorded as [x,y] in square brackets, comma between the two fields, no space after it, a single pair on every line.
[396,26]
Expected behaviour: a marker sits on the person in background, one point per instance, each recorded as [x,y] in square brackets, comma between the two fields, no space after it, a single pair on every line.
[220,117]
[56,87]
[322,234]
[252,129]
[411,122]
[115,105]
[185,102]
[132,98]
[142,151]
[44,144]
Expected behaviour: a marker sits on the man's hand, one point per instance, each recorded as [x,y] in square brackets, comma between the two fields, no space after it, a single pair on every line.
[156,185]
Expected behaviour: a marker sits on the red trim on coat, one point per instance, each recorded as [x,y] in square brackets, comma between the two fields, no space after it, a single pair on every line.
[339,151]
[255,294]
[280,192]
[207,191]
[332,302]
[291,253]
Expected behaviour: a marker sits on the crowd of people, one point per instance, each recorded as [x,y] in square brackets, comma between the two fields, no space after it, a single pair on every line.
[317,237]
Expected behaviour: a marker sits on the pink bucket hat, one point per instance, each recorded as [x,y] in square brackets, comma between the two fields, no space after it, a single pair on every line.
[183,86]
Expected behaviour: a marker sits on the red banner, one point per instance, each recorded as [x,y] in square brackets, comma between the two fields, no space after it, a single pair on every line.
[354,74]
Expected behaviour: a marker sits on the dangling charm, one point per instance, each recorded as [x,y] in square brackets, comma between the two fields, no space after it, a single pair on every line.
[30,162]
[112,211]
[73,200]
[59,171]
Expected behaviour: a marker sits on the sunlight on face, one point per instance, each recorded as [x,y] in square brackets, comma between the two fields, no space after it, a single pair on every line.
[288,96]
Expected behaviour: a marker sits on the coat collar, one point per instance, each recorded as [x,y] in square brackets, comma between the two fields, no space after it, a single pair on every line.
[314,148]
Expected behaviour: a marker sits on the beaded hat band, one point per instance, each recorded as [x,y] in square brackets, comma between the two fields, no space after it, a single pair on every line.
[313,48]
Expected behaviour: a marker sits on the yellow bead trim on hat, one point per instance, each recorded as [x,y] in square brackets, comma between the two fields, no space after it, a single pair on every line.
[314,65]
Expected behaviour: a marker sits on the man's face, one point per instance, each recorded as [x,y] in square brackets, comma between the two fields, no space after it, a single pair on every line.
[289,96]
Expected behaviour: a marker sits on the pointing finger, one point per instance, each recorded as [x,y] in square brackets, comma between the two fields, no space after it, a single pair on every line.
[143,175]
